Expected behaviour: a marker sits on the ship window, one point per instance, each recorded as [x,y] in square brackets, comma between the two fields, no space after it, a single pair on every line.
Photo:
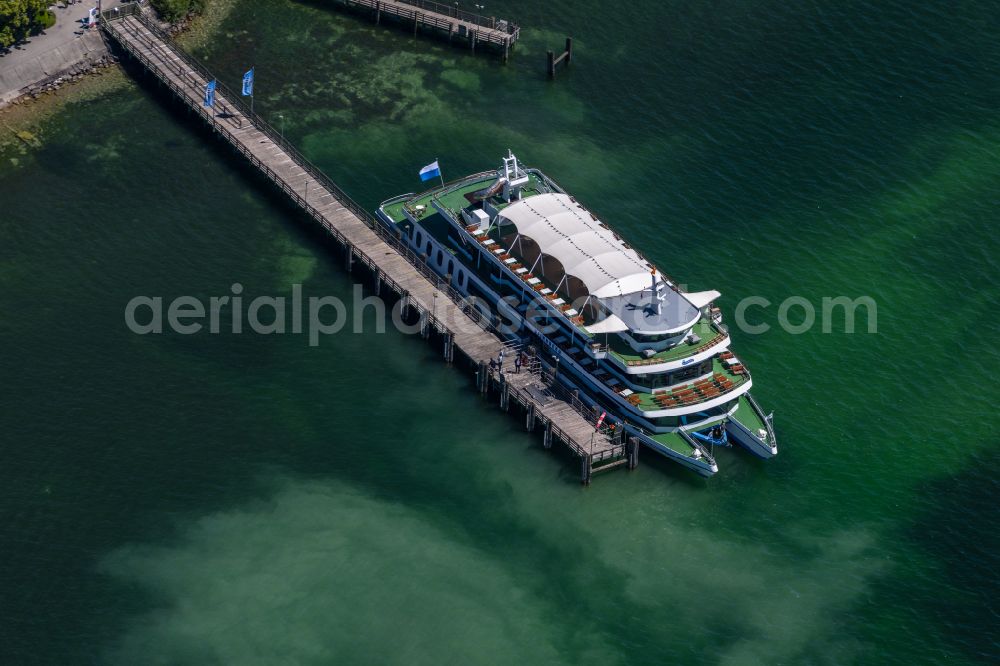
[428,248]
[451,266]
[437,257]
[418,238]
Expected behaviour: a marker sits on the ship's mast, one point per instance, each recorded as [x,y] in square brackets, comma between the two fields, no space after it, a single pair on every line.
[514,178]
[655,293]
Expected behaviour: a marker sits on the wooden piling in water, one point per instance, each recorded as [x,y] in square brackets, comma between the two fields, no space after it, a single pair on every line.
[566,55]
[633,452]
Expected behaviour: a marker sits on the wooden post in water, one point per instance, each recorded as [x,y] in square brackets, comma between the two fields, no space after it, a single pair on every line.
[449,346]
[484,377]
[554,60]
[378,11]
[547,436]
[349,261]
[529,418]
[586,470]
[416,17]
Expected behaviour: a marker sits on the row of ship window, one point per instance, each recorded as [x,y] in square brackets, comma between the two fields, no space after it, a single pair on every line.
[661,380]
[460,278]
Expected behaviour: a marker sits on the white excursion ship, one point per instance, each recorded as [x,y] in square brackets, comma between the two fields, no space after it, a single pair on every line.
[614,327]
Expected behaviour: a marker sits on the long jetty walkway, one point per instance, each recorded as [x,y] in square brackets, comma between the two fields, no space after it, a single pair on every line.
[441,311]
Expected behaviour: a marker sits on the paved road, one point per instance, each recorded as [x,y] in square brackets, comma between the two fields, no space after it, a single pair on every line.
[60,47]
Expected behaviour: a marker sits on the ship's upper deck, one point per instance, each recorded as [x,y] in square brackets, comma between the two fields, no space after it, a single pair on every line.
[459,195]
[564,244]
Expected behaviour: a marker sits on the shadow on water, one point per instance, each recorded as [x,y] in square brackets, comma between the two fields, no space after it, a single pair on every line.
[955,592]
[960,532]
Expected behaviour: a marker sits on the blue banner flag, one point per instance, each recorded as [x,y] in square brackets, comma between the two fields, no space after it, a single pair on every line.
[432,170]
[248,83]
[210,93]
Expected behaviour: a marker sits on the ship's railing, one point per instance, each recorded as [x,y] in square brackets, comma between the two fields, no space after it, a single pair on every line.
[447,187]
[226,96]
[702,346]
[696,444]
[578,448]
[683,435]
[112,24]
[590,412]
[469,238]
[119,29]
[772,440]
[417,261]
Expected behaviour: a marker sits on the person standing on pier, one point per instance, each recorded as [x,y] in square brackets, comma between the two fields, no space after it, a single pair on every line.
[500,361]
[517,364]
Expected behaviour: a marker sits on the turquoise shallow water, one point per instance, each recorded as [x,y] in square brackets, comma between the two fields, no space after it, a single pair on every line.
[247,499]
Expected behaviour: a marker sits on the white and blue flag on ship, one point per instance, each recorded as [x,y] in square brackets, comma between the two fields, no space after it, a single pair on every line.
[248,83]
[210,93]
[432,170]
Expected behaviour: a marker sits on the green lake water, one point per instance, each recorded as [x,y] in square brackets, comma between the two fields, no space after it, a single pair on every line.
[247,499]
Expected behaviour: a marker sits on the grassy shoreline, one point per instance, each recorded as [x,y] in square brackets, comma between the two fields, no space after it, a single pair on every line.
[22,125]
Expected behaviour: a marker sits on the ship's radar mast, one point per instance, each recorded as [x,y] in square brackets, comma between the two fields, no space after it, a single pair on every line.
[655,292]
[514,178]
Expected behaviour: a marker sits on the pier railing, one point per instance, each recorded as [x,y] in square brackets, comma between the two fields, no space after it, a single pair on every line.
[141,38]
[235,99]
[474,18]
[696,444]
[584,451]
[110,22]
[772,440]
[441,9]
[446,18]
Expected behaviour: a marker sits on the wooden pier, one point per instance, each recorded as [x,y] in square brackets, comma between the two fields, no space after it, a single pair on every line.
[444,19]
[443,313]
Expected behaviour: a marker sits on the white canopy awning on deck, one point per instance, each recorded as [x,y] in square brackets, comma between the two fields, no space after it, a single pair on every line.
[587,249]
